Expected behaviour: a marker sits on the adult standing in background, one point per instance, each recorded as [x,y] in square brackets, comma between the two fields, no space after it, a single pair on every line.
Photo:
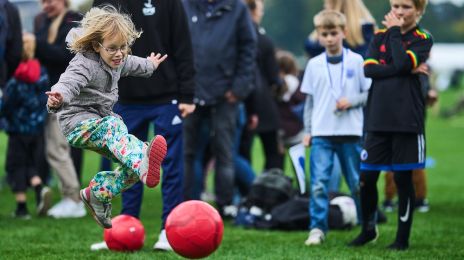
[359,22]
[267,82]
[11,40]
[50,29]
[164,99]
[224,49]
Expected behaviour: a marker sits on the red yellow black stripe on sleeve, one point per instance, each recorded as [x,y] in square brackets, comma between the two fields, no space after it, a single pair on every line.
[421,34]
[370,61]
[413,58]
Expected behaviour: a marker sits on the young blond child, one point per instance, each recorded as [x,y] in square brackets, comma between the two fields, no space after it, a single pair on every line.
[395,112]
[84,97]
[24,112]
[333,117]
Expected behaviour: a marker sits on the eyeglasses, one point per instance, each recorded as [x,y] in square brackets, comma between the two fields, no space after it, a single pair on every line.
[113,51]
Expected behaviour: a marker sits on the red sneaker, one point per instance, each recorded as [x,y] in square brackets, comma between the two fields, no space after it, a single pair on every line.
[156,152]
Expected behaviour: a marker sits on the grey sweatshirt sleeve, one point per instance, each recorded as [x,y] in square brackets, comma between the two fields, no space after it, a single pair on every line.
[307,114]
[138,67]
[76,77]
[358,100]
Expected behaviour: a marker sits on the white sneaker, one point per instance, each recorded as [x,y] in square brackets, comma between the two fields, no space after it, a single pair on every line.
[99,246]
[316,237]
[67,208]
[58,207]
[163,243]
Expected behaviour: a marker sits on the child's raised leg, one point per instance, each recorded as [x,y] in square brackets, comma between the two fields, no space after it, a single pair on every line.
[109,136]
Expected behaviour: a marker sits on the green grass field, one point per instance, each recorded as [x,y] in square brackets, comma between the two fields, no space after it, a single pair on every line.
[435,235]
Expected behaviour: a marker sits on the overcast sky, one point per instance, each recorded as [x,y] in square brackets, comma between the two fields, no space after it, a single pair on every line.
[458,2]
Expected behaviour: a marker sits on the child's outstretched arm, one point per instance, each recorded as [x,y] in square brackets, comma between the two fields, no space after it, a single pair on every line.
[156,59]
[141,67]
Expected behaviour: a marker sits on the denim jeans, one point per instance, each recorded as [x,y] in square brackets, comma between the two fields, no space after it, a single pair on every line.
[321,164]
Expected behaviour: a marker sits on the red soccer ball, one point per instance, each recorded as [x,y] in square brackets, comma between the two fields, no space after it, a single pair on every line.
[194,229]
[127,234]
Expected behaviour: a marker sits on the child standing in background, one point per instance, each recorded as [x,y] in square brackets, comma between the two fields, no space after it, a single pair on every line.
[333,117]
[84,98]
[395,112]
[24,111]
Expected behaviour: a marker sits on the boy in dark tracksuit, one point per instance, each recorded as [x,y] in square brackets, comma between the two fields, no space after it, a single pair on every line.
[394,119]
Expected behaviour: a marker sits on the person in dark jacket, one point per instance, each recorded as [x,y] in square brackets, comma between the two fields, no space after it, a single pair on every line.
[164,99]
[50,29]
[224,49]
[267,82]
[10,41]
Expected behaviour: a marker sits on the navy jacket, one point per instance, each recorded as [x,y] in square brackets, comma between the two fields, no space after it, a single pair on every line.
[224,49]
[24,104]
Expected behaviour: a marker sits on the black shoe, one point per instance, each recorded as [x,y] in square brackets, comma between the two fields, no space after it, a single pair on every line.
[365,237]
[21,214]
[398,246]
[381,217]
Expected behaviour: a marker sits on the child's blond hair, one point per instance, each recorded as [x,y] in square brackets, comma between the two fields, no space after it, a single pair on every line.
[28,47]
[100,23]
[356,13]
[329,19]
[420,5]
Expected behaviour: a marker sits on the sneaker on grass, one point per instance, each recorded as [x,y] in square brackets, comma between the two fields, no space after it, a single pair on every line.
[316,237]
[67,208]
[422,205]
[162,244]
[99,246]
[44,201]
[21,213]
[388,206]
[365,237]
[101,212]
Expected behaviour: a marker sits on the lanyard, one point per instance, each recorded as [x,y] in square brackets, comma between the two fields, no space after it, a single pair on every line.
[332,88]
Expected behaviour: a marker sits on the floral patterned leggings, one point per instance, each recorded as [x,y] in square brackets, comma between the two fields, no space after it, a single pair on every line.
[109,137]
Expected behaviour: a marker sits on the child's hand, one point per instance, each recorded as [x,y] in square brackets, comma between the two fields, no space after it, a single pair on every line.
[230,97]
[391,20]
[55,99]
[156,59]
[343,104]
[307,140]
[422,68]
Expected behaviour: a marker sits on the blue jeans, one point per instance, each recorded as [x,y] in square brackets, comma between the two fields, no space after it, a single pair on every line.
[137,119]
[321,164]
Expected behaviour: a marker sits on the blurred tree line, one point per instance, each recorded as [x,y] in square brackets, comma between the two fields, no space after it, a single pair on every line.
[289,22]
